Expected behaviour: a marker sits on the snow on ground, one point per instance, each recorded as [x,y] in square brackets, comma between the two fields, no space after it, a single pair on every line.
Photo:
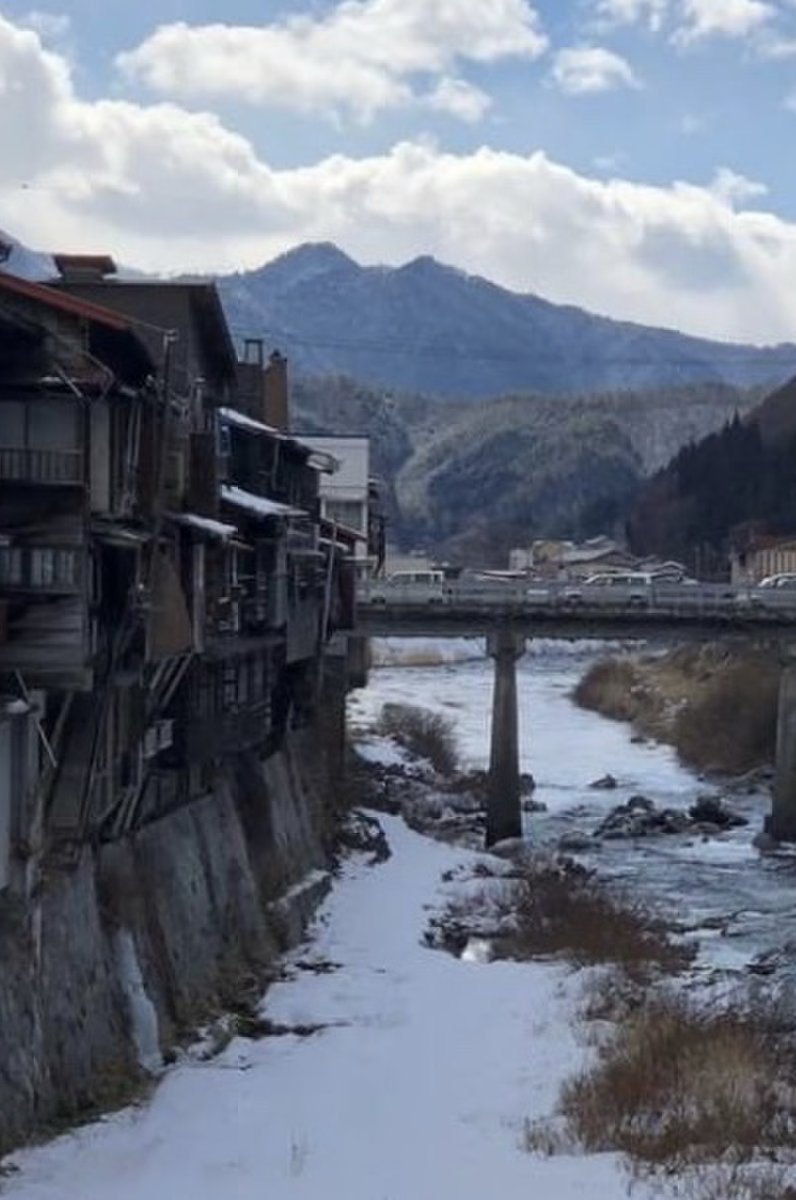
[417,1089]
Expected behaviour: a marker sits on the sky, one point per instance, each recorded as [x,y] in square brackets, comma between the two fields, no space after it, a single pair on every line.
[633,157]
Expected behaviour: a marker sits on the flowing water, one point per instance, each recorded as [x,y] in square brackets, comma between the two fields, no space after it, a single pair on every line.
[740,903]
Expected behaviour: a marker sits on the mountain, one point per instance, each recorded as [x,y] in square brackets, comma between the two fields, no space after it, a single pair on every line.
[472,480]
[740,478]
[28,264]
[429,328]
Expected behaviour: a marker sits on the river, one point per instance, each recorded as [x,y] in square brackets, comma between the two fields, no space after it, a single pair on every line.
[741,904]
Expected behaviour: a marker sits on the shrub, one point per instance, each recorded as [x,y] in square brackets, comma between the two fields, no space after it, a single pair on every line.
[560,911]
[732,725]
[424,733]
[674,1086]
[608,688]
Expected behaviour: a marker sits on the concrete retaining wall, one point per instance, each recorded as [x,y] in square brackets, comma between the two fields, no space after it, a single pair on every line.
[143,939]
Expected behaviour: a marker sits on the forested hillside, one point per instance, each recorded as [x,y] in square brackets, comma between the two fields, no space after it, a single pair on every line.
[746,472]
[472,480]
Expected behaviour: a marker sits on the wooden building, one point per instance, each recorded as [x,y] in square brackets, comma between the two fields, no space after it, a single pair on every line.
[168,593]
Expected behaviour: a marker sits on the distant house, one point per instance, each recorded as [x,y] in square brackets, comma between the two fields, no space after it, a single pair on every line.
[571,560]
[760,556]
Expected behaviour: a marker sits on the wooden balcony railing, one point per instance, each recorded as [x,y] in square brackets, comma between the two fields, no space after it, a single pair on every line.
[56,467]
[54,570]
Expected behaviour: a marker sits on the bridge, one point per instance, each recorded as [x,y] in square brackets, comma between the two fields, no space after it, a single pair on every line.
[507,613]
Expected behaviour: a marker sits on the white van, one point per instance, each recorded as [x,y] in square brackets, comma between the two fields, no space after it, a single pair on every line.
[412,587]
[631,587]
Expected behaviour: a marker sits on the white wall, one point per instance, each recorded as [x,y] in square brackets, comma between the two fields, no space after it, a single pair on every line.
[350,481]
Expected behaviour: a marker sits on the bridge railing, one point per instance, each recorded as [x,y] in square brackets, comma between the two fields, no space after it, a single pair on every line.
[521,597]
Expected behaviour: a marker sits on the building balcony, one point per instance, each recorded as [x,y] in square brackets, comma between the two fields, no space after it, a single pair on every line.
[42,570]
[53,468]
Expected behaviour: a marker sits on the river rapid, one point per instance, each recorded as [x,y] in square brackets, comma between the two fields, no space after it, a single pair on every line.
[739,904]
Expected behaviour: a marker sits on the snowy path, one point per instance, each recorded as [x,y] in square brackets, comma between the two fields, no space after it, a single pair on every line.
[418,1090]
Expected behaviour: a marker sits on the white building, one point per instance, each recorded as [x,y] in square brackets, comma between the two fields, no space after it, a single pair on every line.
[344,494]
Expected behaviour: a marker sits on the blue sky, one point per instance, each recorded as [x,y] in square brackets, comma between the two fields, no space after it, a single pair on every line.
[631,156]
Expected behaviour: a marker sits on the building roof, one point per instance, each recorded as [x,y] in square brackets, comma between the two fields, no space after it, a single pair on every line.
[258,506]
[134,297]
[318,459]
[207,525]
[95,264]
[42,293]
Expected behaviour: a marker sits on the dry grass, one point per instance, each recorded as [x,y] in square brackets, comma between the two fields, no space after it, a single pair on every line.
[566,913]
[424,733]
[611,687]
[558,910]
[674,1087]
[731,726]
[717,706]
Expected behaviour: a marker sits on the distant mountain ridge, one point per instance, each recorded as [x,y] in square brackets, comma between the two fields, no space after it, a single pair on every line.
[28,264]
[430,328]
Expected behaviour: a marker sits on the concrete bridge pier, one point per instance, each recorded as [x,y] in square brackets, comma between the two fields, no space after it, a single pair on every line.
[504,815]
[782,822]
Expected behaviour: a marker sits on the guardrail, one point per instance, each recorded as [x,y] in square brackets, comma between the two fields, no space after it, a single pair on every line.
[664,599]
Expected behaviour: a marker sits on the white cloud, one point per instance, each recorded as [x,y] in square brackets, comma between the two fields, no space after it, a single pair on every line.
[721,18]
[363,57]
[47,24]
[609,163]
[459,99]
[584,70]
[692,124]
[733,188]
[631,12]
[162,188]
[774,46]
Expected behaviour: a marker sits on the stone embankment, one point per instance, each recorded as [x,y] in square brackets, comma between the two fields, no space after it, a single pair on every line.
[124,953]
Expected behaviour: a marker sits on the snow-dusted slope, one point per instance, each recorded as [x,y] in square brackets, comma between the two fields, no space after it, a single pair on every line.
[29,264]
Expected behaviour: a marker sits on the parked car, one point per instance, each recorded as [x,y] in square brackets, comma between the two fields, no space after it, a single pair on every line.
[786,580]
[630,587]
[420,586]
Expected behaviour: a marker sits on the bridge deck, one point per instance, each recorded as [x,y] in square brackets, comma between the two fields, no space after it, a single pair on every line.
[558,610]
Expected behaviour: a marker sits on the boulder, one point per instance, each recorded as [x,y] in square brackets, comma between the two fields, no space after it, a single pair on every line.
[640,818]
[711,810]
[605,783]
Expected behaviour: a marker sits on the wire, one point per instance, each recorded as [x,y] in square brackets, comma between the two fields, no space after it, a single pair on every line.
[752,355]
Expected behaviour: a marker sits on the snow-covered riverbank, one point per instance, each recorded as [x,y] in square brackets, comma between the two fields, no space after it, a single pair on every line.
[417,1086]
[423,1069]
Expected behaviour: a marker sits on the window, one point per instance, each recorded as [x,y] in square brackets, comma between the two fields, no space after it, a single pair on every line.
[50,567]
[10,565]
[347,512]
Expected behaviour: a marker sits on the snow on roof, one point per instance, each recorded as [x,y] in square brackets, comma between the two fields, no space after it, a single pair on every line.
[261,506]
[205,524]
[319,460]
[243,422]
